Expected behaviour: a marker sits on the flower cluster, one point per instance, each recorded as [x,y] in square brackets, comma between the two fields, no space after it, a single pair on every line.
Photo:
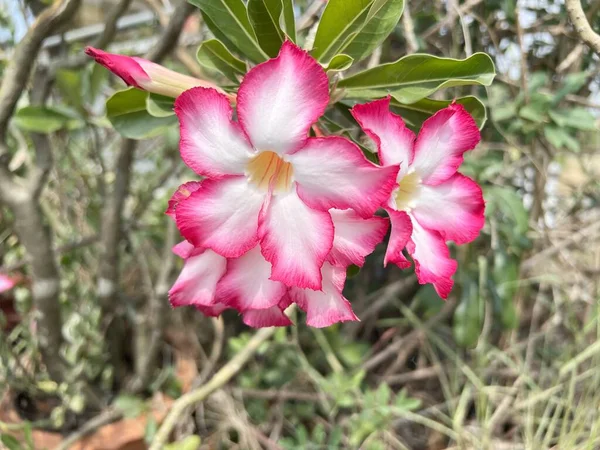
[279,215]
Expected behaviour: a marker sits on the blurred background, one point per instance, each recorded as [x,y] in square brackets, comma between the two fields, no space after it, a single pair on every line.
[510,361]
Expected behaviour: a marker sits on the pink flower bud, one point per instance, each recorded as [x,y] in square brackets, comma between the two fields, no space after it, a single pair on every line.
[146,75]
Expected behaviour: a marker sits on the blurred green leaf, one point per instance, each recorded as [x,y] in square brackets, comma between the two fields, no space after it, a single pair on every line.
[150,430]
[266,16]
[189,443]
[578,118]
[229,22]
[130,405]
[508,202]
[355,27]
[41,119]
[11,442]
[467,321]
[212,54]
[560,138]
[414,77]
[70,84]
[126,111]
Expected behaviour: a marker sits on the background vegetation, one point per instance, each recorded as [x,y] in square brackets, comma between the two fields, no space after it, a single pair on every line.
[510,361]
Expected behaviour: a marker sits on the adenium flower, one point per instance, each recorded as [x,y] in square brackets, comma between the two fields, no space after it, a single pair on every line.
[269,187]
[6,283]
[213,283]
[432,203]
[148,76]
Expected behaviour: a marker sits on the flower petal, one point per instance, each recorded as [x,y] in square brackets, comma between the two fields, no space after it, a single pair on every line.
[332,172]
[329,306]
[6,283]
[295,239]
[182,192]
[184,249]
[395,142]
[197,282]
[246,285]
[270,317]
[222,215]
[354,237]
[280,99]
[401,231]
[125,67]
[212,310]
[442,141]
[432,259]
[455,208]
[211,143]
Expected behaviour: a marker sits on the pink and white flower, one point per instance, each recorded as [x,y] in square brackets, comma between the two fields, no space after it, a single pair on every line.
[269,187]
[213,283]
[148,76]
[6,283]
[432,203]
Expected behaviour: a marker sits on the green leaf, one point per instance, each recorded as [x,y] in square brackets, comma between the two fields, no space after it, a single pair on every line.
[415,114]
[414,77]
[355,27]
[159,105]
[229,22]
[189,443]
[560,138]
[467,320]
[41,119]
[214,55]
[126,111]
[339,63]
[265,16]
[10,442]
[70,84]
[381,21]
[289,20]
[130,405]
[507,202]
[578,118]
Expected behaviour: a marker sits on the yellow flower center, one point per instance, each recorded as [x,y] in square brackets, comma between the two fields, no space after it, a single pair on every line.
[268,169]
[407,191]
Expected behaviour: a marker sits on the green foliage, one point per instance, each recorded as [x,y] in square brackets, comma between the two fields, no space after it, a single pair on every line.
[127,112]
[213,55]
[229,22]
[45,119]
[540,112]
[414,77]
[268,21]
[414,114]
[355,27]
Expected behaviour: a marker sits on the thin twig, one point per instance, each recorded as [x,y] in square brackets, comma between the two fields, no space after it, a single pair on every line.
[109,416]
[223,376]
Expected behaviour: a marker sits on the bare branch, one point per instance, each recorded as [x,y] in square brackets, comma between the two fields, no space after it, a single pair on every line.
[582,26]
[105,38]
[16,74]
[412,45]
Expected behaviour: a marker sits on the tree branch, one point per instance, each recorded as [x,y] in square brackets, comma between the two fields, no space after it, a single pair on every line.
[16,74]
[112,216]
[582,26]
[227,372]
